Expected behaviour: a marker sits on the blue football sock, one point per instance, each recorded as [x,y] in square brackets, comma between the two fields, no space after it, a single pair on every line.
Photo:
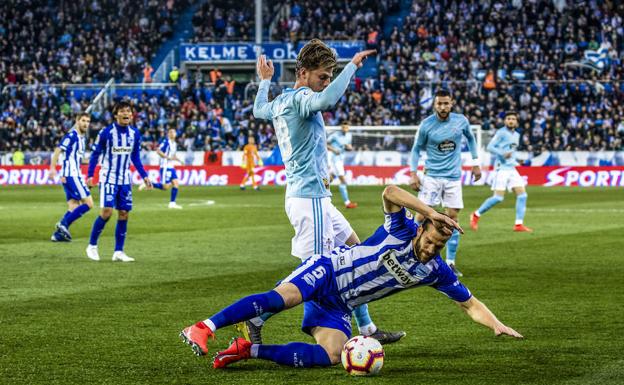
[120,234]
[64,220]
[489,203]
[174,194]
[451,247]
[344,192]
[248,307]
[521,207]
[158,186]
[77,213]
[295,354]
[96,230]
[362,318]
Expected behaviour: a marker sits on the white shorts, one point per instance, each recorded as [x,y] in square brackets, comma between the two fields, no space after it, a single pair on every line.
[319,226]
[336,167]
[507,179]
[435,191]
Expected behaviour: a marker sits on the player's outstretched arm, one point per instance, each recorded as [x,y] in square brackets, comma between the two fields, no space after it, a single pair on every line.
[481,314]
[135,157]
[265,70]
[394,198]
[311,102]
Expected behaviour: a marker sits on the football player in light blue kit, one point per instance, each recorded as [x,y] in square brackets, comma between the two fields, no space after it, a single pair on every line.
[300,131]
[119,144]
[337,144]
[440,135]
[503,145]
[77,193]
[167,149]
[400,255]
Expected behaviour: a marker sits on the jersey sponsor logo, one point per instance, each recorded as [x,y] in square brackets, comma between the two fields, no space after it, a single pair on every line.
[391,263]
[121,150]
[447,146]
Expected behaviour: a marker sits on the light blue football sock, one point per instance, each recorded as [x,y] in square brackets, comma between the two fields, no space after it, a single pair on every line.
[363,320]
[451,247]
[521,207]
[489,203]
[344,193]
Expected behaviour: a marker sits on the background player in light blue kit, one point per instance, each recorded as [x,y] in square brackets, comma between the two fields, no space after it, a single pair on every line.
[400,255]
[167,149]
[300,131]
[77,193]
[337,144]
[440,135]
[119,144]
[503,145]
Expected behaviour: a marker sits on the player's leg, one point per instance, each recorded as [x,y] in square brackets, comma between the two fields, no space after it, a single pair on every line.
[252,175]
[521,199]
[61,233]
[107,202]
[243,183]
[452,200]
[338,166]
[343,234]
[80,206]
[161,182]
[123,205]
[431,190]
[174,189]
[499,185]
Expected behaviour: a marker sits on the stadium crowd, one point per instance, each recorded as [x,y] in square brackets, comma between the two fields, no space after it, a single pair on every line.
[474,48]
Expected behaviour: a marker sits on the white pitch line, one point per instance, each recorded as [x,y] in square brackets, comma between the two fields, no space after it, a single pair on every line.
[567,210]
[203,203]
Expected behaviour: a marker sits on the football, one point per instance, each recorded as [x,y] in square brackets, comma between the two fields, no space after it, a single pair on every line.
[362,356]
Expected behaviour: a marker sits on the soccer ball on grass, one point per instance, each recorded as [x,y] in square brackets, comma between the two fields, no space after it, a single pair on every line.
[362,356]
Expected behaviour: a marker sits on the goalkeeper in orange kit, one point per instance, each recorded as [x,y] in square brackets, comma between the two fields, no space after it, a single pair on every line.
[251,158]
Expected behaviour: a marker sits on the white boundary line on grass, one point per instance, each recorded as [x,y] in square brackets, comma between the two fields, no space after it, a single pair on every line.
[203,203]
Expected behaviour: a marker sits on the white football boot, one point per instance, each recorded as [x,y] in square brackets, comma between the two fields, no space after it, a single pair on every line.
[120,256]
[173,205]
[92,253]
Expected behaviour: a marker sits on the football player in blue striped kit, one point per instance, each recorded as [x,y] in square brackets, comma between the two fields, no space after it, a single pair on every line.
[440,135]
[400,255]
[167,149]
[300,130]
[77,193]
[118,144]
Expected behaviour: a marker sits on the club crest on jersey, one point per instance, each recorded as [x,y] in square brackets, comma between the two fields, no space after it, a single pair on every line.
[447,146]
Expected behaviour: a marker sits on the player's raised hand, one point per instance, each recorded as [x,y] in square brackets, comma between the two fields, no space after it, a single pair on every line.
[445,224]
[476,173]
[358,58]
[264,68]
[414,182]
[506,330]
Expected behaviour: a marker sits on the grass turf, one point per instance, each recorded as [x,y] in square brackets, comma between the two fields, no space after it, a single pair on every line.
[67,320]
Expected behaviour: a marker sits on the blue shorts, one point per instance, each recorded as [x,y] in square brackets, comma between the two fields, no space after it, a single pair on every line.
[75,188]
[167,175]
[323,305]
[116,196]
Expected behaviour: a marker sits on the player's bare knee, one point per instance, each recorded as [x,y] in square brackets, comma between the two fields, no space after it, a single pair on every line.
[175,183]
[290,294]
[88,202]
[332,341]
[106,213]
[167,186]
[122,215]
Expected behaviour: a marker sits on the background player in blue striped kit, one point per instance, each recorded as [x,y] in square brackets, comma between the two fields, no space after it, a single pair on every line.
[503,145]
[300,131]
[167,149]
[119,144]
[440,135]
[77,193]
[400,255]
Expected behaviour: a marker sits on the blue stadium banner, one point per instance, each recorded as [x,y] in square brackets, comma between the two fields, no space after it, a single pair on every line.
[242,52]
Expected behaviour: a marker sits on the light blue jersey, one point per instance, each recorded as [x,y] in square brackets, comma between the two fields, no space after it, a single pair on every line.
[300,131]
[504,141]
[339,140]
[442,140]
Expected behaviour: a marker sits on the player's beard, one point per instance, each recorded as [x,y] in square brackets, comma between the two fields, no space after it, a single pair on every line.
[443,117]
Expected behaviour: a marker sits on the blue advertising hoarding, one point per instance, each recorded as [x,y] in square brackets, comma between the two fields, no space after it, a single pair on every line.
[242,52]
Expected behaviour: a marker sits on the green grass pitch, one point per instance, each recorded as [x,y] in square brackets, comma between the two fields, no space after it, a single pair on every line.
[67,320]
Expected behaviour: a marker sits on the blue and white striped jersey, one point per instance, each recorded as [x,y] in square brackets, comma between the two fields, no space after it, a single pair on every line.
[385,264]
[118,145]
[503,142]
[169,147]
[73,146]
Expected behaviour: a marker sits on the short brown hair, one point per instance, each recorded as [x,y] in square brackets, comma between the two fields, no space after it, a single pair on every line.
[314,55]
[511,113]
[81,115]
[121,105]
